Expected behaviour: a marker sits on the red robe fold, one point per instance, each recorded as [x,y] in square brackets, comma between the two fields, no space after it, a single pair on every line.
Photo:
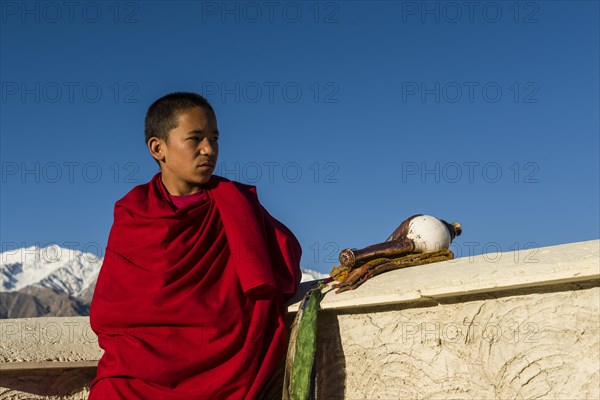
[189,302]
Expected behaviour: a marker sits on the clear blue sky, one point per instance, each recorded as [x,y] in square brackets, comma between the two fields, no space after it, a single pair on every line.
[347,116]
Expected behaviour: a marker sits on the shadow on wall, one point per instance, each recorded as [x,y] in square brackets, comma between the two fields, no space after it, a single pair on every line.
[59,382]
[330,361]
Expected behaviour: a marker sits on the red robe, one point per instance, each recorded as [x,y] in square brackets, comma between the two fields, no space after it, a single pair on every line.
[190,302]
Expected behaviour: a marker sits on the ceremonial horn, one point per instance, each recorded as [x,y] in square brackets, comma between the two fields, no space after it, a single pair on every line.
[417,234]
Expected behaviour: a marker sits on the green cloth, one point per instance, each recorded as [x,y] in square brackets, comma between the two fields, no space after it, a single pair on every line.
[303,346]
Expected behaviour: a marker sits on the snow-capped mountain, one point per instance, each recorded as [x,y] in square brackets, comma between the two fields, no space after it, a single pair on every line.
[63,270]
[310,275]
[68,272]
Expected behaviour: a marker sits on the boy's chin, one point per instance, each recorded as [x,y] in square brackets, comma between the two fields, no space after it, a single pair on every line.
[204,179]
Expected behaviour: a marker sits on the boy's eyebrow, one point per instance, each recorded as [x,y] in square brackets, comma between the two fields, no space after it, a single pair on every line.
[200,132]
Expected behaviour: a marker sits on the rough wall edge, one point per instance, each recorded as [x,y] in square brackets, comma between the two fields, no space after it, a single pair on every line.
[418,295]
[37,365]
[564,263]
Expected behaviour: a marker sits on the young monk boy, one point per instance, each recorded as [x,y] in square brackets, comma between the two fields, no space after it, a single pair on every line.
[189,302]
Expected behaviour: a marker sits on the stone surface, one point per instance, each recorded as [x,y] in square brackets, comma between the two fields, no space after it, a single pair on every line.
[27,342]
[519,345]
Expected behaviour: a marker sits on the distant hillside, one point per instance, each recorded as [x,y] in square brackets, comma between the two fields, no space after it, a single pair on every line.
[34,301]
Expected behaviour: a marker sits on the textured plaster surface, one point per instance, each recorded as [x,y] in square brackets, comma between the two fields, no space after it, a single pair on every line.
[34,341]
[524,345]
[38,356]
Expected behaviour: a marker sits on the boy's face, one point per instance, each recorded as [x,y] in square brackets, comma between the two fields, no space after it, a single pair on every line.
[189,156]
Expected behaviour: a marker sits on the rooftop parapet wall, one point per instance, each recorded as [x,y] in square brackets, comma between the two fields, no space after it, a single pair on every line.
[511,325]
[493,272]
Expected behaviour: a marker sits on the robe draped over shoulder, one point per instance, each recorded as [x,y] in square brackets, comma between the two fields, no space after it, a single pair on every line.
[189,302]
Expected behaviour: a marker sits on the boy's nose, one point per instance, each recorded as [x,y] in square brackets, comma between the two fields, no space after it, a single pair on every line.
[206,148]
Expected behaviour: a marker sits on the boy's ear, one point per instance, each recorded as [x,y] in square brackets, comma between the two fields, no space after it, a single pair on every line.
[156,147]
